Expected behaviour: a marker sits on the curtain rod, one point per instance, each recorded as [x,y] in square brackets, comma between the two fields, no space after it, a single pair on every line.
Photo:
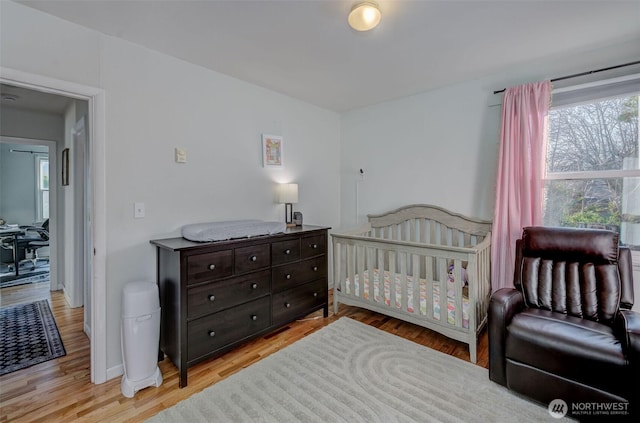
[575,75]
[27,151]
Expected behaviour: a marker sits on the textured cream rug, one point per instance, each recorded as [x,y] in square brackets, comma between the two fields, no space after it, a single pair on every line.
[352,372]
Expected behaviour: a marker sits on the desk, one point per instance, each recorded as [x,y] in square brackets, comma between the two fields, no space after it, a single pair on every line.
[13,231]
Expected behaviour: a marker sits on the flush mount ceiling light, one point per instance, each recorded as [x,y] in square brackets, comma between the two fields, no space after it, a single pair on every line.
[364,16]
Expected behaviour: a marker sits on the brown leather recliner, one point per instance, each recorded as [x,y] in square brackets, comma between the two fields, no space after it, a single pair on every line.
[567,330]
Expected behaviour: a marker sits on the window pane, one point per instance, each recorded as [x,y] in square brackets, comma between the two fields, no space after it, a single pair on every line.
[602,135]
[44,174]
[596,203]
[45,204]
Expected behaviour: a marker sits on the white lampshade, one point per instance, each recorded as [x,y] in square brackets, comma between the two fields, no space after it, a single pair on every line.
[287,193]
[364,16]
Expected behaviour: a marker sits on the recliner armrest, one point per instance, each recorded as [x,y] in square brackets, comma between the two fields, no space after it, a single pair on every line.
[628,330]
[504,304]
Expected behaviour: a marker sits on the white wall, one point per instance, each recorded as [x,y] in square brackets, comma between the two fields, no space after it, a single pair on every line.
[440,147]
[155,103]
[18,183]
[23,124]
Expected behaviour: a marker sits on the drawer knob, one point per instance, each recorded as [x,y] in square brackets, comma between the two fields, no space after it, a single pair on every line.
[212,333]
[287,251]
[287,305]
[254,317]
[212,266]
[314,246]
[254,285]
[253,258]
[288,276]
[315,294]
[315,268]
[212,297]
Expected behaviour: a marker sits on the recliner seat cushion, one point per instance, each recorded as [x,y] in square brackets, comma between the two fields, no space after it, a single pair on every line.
[577,349]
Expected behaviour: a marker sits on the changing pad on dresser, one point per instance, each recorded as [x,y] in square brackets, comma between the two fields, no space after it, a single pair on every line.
[230,229]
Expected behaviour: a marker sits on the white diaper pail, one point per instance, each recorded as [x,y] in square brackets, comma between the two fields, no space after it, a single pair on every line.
[140,336]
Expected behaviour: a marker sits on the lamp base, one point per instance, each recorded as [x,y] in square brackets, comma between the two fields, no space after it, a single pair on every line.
[288,214]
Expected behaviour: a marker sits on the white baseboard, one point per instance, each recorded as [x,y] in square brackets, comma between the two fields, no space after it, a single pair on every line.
[115,371]
[66,296]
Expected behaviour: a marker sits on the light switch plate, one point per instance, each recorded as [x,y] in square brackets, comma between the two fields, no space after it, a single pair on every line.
[181,155]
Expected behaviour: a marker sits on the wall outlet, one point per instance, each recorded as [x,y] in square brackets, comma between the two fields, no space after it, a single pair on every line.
[138,210]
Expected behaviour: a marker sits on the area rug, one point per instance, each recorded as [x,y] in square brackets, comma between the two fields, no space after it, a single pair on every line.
[29,336]
[351,372]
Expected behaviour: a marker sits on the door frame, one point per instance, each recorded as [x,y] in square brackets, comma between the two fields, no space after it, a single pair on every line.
[97,171]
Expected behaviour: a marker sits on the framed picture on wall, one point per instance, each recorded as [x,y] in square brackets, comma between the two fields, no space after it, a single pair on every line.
[271,151]
[65,167]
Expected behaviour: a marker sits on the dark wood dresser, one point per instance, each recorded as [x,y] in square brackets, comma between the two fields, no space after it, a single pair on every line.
[216,295]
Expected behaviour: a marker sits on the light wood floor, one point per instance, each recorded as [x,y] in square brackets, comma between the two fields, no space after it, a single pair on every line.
[61,391]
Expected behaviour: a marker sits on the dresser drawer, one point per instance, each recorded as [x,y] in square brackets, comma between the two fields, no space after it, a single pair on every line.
[313,245]
[248,259]
[292,303]
[209,266]
[285,251]
[291,275]
[217,296]
[216,331]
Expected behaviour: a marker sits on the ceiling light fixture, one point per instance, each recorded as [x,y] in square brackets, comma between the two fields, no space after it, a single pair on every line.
[364,16]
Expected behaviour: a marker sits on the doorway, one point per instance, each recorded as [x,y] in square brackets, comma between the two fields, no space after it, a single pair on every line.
[92,220]
[29,201]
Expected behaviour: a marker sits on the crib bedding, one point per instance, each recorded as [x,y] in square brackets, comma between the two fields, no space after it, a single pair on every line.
[451,307]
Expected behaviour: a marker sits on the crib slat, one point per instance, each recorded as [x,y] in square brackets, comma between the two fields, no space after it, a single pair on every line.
[350,269]
[371,271]
[360,269]
[337,273]
[392,279]
[442,283]
[381,267]
[428,262]
[404,282]
[415,259]
[458,300]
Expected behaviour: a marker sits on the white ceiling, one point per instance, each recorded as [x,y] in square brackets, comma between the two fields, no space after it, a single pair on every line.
[306,50]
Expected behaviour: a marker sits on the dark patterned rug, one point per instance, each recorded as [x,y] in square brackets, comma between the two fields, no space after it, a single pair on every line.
[29,336]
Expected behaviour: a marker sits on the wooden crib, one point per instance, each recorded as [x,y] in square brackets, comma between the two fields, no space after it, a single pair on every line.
[446,252]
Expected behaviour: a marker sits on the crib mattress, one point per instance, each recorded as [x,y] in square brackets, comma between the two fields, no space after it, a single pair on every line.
[451,306]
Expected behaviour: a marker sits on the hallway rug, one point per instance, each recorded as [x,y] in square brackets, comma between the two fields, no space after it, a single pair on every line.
[351,372]
[29,336]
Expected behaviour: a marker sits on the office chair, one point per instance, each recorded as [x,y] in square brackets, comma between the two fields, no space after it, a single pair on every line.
[34,238]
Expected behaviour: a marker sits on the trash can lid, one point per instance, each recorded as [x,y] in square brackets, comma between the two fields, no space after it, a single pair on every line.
[139,298]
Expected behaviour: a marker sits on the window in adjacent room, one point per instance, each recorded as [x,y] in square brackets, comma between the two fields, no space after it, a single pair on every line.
[592,162]
[42,187]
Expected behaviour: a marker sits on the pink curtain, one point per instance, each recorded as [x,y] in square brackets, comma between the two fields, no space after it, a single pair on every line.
[519,184]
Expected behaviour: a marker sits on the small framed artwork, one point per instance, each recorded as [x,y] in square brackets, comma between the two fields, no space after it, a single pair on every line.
[271,151]
[65,167]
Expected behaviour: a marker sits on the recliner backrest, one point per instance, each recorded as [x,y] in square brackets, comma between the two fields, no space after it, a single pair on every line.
[571,271]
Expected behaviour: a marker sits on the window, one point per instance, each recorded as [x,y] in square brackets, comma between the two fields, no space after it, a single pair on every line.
[42,186]
[592,162]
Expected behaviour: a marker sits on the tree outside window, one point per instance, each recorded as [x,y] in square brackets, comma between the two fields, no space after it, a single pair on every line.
[592,165]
